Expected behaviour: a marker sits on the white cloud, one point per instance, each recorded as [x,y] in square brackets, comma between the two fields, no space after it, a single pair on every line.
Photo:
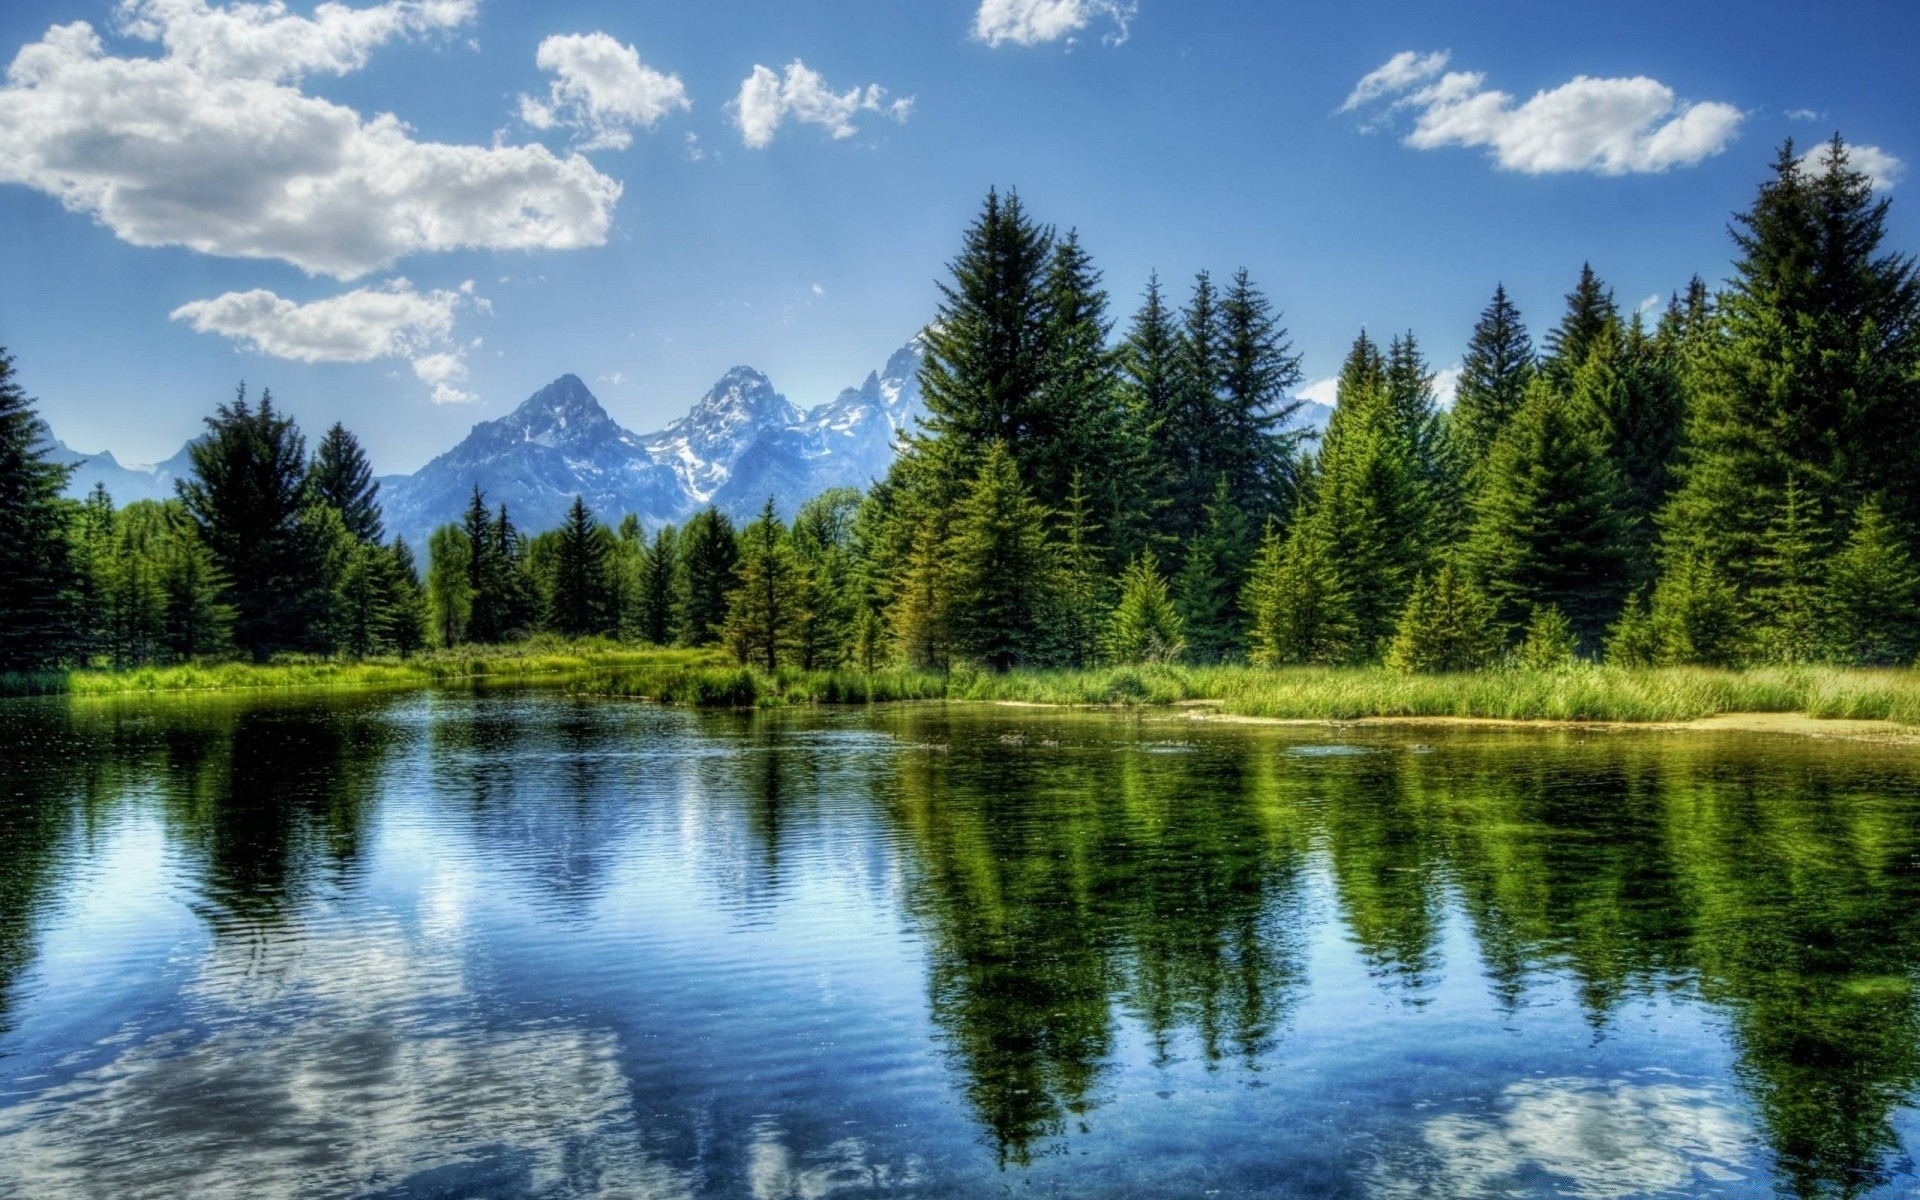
[1400,72]
[1031,22]
[767,99]
[1446,385]
[1606,126]
[212,146]
[602,91]
[1802,114]
[695,151]
[818,290]
[1882,169]
[1322,391]
[1650,304]
[364,325]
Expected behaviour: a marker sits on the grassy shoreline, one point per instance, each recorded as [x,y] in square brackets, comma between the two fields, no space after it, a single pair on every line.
[704,679]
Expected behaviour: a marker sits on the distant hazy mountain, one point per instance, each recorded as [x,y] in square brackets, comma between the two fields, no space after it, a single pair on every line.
[739,444]
[125,483]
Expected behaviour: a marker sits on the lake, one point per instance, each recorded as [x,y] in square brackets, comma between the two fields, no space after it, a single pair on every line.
[510,943]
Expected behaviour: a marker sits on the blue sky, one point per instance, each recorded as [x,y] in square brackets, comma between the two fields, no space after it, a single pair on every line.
[645,194]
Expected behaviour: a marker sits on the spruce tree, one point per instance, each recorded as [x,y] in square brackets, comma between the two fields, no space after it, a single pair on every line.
[1003,577]
[1789,603]
[450,591]
[710,555]
[1188,433]
[766,611]
[1590,310]
[1447,627]
[519,597]
[1697,617]
[1144,627]
[1547,528]
[579,605]
[341,476]
[486,620]
[923,605]
[1494,375]
[1079,393]
[1300,613]
[1150,392]
[247,495]
[1634,640]
[198,621]
[822,538]
[91,555]
[1207,589]
[661,603]
[1628,394]
[988,347]
[1081,609]
[1873,588]
[1550,643]
[1815,373]
[405,615]
[1253,447]
[35,573]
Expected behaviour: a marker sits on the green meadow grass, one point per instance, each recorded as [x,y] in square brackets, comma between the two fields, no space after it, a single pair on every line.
[704,678]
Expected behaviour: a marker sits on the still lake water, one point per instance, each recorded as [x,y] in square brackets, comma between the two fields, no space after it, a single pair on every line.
[509,944]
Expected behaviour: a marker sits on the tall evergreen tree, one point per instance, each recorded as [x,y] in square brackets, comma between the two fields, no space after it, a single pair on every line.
[710,553]
[1079,391]
[822,538]
[341,476]
[35,572]
[1590,310]
[1448,626]
[1189,431]
[1873,588]
[766,612]
[1816,374]
[1003,574]
[1494,375]
[1144,627]
[1079,618]
[486,603]
[1299,612]
[247,495]
[450,583]
[1547,528]
[579,605]
[1207,589]
[1629,392]
[1789,604]
[198,621]
[1150,391]
[405,614]
[661,603]
[1253,444]
[91,554]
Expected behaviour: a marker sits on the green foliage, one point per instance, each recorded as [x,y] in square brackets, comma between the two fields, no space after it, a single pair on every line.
[710,558]
[36,576]
[1547,528]
[1494,375]
[1697,617]
[1550,643]
[1634,641]
[1080,601]
[768,611]
[450,584]
[1590,313]
[660,606]
[582,600]
[1448,627]
[1144,627]
[1873,588]
[1207,590]
[1004,577]
[341,477]
[1296,595]
[1789,604]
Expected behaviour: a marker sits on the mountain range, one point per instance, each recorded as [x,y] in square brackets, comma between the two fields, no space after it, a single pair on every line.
[739,444]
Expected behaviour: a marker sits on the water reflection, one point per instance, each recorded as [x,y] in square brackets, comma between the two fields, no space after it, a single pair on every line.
[529,945]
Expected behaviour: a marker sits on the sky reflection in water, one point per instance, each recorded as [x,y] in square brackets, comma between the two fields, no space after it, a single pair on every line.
[513,944]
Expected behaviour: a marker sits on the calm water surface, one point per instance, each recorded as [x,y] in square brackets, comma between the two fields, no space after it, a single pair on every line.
[515,944]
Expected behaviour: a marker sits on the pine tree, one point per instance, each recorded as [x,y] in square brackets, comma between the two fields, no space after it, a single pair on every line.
[1590,310]
[1696,616]
[1789,603]
[404,614]
[1874,593]
[1149,390]
[450,583]
[1494,375]
[1144,626]
[1634,640]
[1815,373]
[138,609]
[35,573]
[988,347]
[1300,612]
[1003,578]
[1079,391]
[1253,447]
[1550,643]
[362,598]
[1207,590]
[197,619]
[1081,612]
[1189,430]
[710,553]
[1447,627]
[486,621]
[923,607]
[1417,424]
[1627,393]
[1546,529]
[341,476]
[661,602]
[247,496]
[766,611]
[517,593]
[91,556]
[579,605]
[822,538]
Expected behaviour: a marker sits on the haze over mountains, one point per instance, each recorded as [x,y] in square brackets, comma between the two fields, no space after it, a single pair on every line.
[739,444]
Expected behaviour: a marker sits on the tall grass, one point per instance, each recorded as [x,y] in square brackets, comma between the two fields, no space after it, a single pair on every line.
[704,679]
[534,659]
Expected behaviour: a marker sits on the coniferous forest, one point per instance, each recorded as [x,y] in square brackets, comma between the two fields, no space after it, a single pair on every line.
[1735,481]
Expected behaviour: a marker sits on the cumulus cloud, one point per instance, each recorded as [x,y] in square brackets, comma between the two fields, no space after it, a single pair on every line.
[602,91]
[1882,169]
[212,145]
[768,99]
[1605,126]
[394,321]
[1031,22]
